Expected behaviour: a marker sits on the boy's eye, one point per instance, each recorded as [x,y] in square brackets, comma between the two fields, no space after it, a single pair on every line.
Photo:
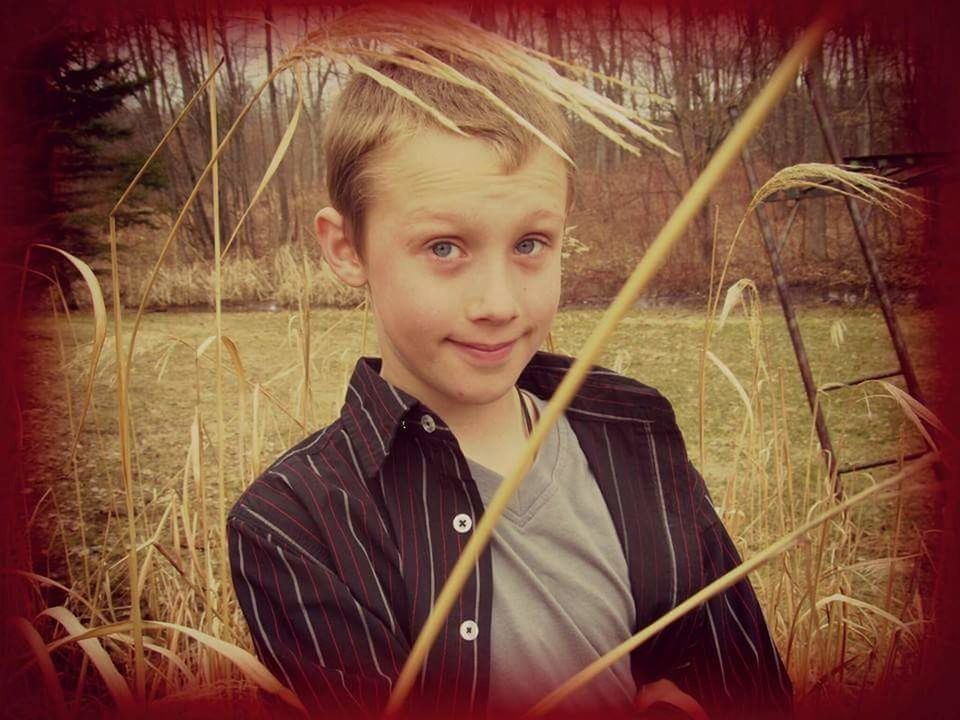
[530,246]
[444,249]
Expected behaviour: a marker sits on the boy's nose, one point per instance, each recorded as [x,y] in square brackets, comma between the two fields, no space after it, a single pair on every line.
[492,298]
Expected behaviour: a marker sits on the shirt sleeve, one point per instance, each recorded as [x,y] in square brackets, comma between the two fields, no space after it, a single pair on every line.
[337,655]
[731,665]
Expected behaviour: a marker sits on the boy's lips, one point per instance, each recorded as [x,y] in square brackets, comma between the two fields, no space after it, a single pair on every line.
[484,352]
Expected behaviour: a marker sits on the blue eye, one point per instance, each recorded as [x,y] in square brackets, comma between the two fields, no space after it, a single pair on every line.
[529,246]
[442,249]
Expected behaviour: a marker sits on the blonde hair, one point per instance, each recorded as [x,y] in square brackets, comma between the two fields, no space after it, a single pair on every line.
[367,117]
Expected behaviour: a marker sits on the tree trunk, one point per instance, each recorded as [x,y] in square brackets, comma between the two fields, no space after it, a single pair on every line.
[189,82]
[484,14]
[554,47]
[816,208]
[280,179]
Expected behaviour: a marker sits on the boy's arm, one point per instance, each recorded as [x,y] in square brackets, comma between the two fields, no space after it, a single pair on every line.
[731,665]
[309,629]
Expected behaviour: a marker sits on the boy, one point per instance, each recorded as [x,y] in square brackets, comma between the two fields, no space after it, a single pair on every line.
[340,547]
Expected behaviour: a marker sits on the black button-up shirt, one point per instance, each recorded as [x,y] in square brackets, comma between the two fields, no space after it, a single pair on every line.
[340,547]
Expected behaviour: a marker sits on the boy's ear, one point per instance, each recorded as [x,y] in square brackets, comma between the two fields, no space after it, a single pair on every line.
[337,248]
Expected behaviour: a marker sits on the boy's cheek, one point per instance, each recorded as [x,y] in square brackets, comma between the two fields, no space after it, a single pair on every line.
[417,308]
[398,282]
[548,291]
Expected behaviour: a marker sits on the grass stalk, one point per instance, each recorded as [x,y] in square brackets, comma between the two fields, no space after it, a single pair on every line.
[726,155]
[707,330]
[218,320]
[75,470]
[136,618]
[304,306]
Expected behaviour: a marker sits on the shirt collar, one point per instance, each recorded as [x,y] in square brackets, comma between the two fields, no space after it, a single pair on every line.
[374,411]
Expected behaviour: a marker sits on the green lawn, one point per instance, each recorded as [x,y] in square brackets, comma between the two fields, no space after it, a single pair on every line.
[657,346]
[661,347]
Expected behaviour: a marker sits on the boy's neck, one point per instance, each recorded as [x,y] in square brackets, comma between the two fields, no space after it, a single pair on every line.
[492,433]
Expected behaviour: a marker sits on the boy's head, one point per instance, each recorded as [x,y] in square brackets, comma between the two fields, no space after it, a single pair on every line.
[457,238]
[367,119]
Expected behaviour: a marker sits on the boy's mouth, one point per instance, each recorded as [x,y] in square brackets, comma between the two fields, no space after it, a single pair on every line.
[484,352]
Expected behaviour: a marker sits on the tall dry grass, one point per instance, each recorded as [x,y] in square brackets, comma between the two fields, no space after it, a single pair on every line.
[849,604]
[151,619]
[277,280]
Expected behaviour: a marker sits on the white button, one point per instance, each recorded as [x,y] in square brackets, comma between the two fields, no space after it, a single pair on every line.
[462,523]
[469,630]
[428,423]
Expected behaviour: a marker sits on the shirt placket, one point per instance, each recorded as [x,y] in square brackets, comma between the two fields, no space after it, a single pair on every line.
[449,505]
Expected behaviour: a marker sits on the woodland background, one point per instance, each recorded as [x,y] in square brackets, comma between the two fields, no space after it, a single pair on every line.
[90,92]
[100,88]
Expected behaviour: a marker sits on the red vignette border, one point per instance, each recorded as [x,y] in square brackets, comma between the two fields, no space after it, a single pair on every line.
[929,696]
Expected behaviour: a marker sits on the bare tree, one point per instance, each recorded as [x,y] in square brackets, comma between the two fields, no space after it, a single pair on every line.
[281,180]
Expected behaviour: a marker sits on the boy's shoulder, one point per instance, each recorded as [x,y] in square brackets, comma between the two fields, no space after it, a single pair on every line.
[604,395]
[288,477]
[308,481]
[338,459]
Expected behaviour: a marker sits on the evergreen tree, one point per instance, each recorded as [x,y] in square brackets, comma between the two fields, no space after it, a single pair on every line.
[84,91]
[68,89]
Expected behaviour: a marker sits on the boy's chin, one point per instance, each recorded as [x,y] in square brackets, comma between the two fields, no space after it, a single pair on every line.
[480,391]
[482,386]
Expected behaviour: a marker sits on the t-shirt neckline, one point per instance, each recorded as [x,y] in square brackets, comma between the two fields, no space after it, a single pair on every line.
[538,484]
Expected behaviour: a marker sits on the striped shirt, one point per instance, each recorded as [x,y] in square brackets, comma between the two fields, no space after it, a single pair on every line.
[340,547]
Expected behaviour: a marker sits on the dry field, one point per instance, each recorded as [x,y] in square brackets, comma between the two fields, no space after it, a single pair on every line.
[849,606]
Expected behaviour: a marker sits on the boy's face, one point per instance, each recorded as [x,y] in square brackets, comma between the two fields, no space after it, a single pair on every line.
[463,265]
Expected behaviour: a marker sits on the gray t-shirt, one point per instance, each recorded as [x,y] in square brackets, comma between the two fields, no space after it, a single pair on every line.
[561,587]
